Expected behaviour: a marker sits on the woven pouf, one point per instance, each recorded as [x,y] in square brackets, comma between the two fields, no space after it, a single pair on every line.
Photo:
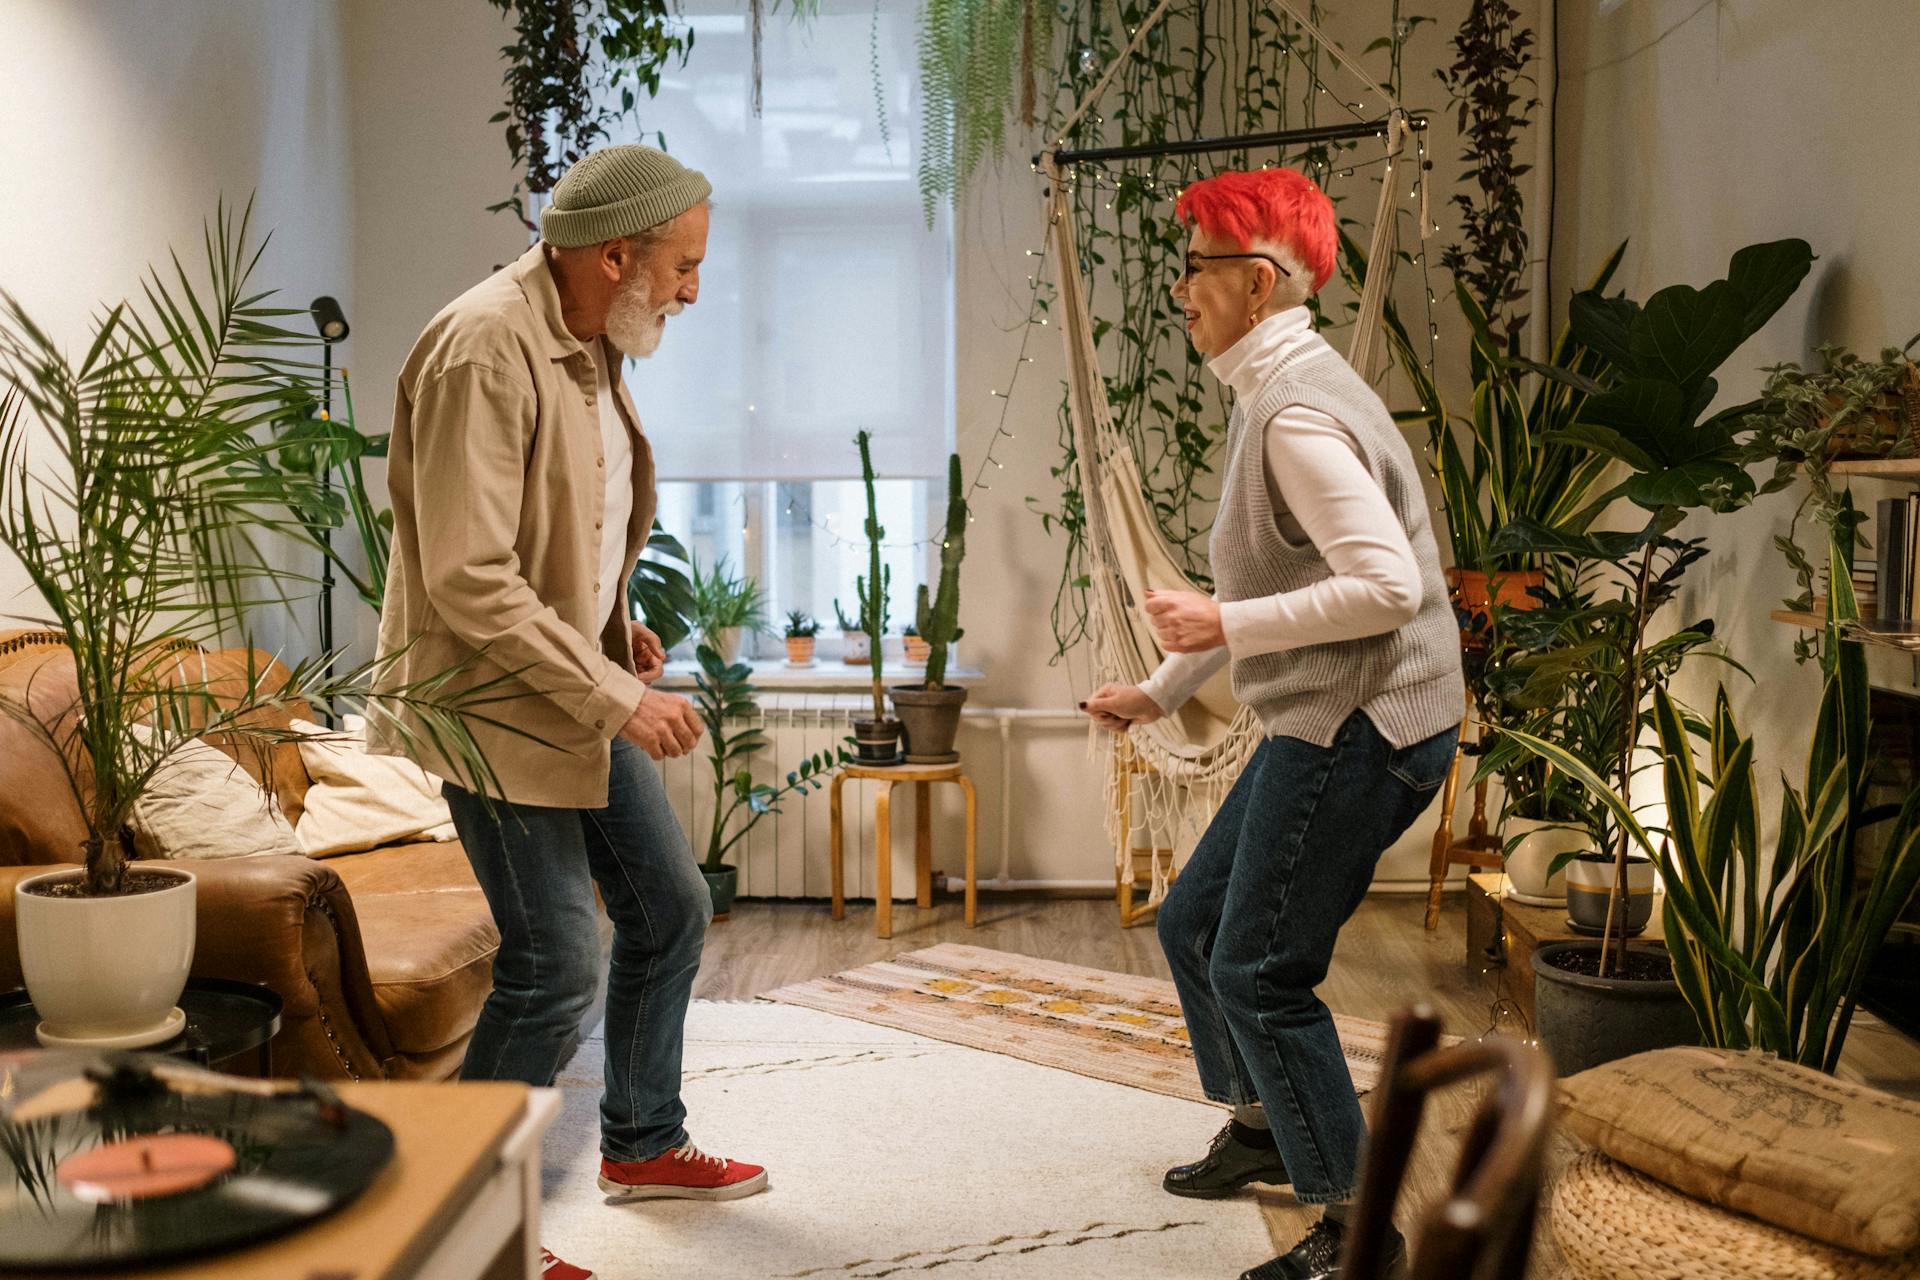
[1614,1224]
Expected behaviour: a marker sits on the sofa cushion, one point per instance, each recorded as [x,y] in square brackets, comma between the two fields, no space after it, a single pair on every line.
[201,804]
[429,940]
[1827,1158]
[360,801]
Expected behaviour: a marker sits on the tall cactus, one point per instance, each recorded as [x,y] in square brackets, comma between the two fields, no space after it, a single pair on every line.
[939,625]
[873,588]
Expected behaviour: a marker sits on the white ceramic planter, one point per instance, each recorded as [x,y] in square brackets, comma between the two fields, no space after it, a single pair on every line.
[856,647]
[1540,843]
[1590,881]
[726,643]
[106,971]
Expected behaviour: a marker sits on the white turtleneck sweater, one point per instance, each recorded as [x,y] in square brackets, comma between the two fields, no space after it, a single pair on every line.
[1323,494]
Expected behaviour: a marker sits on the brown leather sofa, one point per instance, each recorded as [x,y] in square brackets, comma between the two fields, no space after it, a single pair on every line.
[383,958]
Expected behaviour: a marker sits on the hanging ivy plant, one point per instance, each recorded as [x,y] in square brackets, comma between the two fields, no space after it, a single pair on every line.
[979,64]
[570,61]
[1210,67]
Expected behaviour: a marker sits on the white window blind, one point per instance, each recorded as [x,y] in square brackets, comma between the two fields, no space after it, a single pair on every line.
[826,303]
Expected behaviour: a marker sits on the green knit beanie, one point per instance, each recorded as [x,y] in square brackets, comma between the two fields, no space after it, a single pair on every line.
[619,191]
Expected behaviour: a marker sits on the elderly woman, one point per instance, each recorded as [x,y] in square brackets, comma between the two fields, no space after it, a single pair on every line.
[1330,607]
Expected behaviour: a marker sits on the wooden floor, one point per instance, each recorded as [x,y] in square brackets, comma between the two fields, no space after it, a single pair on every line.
[1384,962]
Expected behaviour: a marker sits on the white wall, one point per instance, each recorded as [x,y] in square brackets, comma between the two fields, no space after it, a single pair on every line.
[127,120]
[1695,130]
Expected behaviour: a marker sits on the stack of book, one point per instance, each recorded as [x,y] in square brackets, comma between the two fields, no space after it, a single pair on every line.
[1896,559]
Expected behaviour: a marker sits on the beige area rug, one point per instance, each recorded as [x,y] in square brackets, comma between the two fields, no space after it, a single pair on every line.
[1111,1026]
[890,1154]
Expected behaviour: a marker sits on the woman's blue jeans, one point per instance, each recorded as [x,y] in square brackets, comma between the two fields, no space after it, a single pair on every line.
[1249,927]
[537,867]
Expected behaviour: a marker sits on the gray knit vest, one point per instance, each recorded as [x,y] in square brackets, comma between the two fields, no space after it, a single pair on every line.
[1408,681]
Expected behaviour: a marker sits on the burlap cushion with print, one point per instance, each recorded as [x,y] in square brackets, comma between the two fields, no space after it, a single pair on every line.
[1827,1158]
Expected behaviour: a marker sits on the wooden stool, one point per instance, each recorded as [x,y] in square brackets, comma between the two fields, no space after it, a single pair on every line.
[922,776]
[1130,876]
[1478,849]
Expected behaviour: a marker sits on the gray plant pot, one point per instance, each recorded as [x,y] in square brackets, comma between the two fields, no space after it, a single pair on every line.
[1590,883]
[721,885]
[876,741]
[1585,1021]
[931,718]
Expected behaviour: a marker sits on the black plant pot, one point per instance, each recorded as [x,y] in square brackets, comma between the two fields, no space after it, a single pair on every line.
[1590,882]
[876,741]
[721,884]
[1586,1020]
[931,719]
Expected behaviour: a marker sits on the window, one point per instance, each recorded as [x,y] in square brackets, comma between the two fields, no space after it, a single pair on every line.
[825,308]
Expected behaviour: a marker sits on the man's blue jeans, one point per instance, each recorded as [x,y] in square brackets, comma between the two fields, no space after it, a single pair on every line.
[537,867]
[1249,927]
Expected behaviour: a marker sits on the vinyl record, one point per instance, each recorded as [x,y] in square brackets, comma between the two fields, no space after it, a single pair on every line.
[146,1173]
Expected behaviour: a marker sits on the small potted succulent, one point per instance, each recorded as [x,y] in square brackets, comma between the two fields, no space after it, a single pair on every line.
[801,630]
[876,738]
[853,640]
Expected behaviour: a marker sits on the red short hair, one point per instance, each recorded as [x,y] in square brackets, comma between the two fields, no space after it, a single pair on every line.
[1282,206]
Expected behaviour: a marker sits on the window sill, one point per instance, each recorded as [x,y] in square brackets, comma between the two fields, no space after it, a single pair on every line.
[824,676]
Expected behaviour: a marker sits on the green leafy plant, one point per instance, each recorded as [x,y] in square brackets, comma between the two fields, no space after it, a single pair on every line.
[723,602]
[1649,415]
[1771,947]
[568,61]
[661,588]
[979,61]
[800,626]
[142,535]
[725,697]
[1808,419]
[321,447]
[938,622]
[1494,48]
[874,586]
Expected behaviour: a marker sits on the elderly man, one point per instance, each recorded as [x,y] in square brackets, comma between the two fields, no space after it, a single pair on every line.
[523,492]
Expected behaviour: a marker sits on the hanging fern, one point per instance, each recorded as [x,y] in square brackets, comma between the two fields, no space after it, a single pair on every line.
[978,63]
[1210,67]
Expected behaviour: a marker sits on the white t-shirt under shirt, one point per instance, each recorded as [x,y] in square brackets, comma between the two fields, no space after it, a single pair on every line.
[617,448]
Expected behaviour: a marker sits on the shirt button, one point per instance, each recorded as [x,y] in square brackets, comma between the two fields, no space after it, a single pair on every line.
[598,523]
[599,462]
[599,724]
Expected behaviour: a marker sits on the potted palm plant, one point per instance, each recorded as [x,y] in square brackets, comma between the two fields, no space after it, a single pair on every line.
[801,630]
[930,710]
[878,736]
[140,540]
[724,606]
[725,697]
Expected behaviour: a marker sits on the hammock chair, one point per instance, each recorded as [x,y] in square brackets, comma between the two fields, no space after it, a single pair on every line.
[1169,778]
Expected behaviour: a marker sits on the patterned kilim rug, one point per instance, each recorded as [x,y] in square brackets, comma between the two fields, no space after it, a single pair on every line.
[1111,1026]
[894,1155]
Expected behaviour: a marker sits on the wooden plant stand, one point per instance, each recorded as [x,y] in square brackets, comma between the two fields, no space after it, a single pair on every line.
[923,776]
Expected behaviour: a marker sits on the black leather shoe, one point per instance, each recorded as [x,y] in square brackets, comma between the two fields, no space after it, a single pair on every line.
[1228,1166]
[1318,1257]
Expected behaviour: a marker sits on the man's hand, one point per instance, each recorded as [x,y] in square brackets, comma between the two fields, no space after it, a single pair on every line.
[1185,621]
[1119,707]
[649,655]
[664,725]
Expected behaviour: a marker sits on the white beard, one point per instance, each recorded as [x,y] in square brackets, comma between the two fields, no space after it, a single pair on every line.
[634,324]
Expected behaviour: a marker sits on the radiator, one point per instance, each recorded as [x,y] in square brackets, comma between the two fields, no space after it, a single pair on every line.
[787,854]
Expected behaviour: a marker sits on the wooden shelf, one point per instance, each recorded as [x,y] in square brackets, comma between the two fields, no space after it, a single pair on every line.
[1796,618]
[1885,468]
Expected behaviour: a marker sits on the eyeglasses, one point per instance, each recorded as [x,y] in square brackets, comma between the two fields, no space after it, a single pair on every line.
[1195,259]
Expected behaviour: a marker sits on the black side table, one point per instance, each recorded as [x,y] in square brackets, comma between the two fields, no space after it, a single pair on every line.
[230,1026]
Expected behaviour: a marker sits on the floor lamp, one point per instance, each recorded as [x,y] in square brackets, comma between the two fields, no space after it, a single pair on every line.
[331,324]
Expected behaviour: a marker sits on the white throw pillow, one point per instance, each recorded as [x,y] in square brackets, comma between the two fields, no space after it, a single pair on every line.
[360,801]
[203,805]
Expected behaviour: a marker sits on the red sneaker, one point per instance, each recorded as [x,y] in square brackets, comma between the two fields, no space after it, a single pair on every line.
[551,1268]
[685,1173]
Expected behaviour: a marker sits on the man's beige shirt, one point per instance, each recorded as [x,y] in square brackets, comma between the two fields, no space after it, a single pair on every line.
[498,480]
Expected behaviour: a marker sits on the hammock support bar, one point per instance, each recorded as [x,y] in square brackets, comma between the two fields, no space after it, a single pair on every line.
[1201,146]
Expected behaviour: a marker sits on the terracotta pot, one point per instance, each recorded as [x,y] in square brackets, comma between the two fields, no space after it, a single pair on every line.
[855,647]
[800,651]
[107,971]
[931,718]
[917,650]
[1474,592]
[1590,881]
